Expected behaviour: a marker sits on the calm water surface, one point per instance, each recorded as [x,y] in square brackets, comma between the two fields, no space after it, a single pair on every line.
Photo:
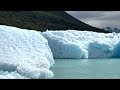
[86,69]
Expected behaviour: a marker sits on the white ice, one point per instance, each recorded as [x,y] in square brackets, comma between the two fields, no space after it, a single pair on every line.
[83,44]
[28,54]
[24,54]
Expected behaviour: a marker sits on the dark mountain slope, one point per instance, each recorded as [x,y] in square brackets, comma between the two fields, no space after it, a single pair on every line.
[43,20]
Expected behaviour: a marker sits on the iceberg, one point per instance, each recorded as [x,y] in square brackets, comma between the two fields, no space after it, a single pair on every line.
[83,44]
[24,54]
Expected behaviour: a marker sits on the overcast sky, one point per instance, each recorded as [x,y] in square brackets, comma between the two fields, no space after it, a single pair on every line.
[98,18]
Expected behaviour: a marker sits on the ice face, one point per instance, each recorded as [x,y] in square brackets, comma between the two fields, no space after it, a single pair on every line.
[61,47]
[99,50]
[24,53]
[116,51]
[82,44]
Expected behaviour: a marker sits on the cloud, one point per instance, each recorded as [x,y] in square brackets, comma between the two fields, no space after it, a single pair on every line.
[98,18]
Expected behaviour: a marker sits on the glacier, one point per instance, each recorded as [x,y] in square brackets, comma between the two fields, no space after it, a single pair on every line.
[24,54]
[83,44]
[29,54]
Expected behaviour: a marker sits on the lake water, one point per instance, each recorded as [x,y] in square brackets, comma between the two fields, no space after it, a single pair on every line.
[86,69]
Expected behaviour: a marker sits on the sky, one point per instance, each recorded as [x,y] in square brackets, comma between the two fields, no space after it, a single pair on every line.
[99,19]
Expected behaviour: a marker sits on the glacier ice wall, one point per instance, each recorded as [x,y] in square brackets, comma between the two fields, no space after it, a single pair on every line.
[82,44]
[24,54]
[116,51]
[64,44]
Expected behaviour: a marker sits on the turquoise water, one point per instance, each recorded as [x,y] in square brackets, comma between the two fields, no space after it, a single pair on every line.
[86,69]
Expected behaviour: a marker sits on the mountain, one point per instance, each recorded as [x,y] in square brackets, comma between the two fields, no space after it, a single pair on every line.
[112,29]
[43,20]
